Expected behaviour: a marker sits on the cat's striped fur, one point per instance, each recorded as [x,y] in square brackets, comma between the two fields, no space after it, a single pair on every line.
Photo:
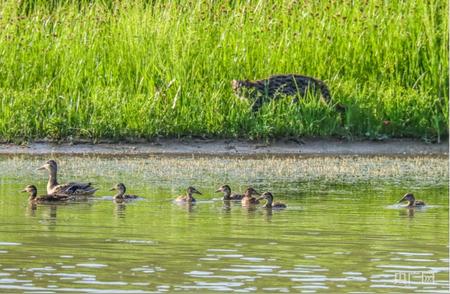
[276,86]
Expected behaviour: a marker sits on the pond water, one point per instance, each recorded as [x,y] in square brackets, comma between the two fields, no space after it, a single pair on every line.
[342,230]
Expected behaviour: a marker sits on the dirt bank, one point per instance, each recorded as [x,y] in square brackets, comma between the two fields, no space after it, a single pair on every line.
[308,147]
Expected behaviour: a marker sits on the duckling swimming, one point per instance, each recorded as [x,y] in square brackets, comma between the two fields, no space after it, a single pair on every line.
[121,196]
[248,198]
[227,193]
[270,204]
[69,189]
[43,198]
[188,197]
[412,202]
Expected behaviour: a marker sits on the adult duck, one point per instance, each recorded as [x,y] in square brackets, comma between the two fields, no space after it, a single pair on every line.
[69,189]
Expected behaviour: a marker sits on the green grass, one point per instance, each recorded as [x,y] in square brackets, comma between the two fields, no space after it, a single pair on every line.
[111,70]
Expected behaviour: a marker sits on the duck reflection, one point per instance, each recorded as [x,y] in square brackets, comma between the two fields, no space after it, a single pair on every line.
[267,212]
[409,212]
[188,206]
[226,206]
[120,210]
[31,209]
[49,215]
[250,211]
[52,212]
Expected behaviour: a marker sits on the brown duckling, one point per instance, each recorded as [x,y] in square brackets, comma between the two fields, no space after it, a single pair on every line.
[121,196]
[270,204]
[43,198]
[412,202]
[226,190]
[69,189]
[248,198]
[188,197]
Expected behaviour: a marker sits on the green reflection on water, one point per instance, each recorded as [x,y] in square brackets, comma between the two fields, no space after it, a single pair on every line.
[334,236]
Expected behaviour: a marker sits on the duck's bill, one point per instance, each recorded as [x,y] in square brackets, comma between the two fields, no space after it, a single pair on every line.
[23,191]
[41,168]
[401,200]
[112,189]
[218,190]
[197,192]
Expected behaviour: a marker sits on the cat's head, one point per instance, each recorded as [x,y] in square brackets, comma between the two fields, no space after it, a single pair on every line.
[236,84]
[240,87]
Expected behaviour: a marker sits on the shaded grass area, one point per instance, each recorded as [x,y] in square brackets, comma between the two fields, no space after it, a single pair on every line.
[140,69]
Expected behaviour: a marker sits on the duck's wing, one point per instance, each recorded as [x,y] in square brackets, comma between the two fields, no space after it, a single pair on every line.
[181,198]
[236,197]
[74,189]
[52,198]
[419,203]
[279,205]
[249,201]
[185,198]
[131,196]
[119,199]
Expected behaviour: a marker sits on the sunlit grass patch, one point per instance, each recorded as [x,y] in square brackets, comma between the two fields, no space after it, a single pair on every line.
[141,69]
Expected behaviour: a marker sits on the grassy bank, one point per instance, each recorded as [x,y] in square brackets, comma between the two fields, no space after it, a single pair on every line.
[114,70]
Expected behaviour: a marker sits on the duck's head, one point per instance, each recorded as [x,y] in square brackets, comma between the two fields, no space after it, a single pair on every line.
[250,191]
[225,189]
[408,197]
[266,195]
[192,190]
[120,187]
[30,189]
[49,165]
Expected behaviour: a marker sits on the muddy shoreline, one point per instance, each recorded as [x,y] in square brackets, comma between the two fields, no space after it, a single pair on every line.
[206,147]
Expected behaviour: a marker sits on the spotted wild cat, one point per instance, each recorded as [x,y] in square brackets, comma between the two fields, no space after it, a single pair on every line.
[277,86]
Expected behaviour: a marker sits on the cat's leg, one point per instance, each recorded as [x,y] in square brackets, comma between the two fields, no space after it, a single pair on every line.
[257,104]
[299,93]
